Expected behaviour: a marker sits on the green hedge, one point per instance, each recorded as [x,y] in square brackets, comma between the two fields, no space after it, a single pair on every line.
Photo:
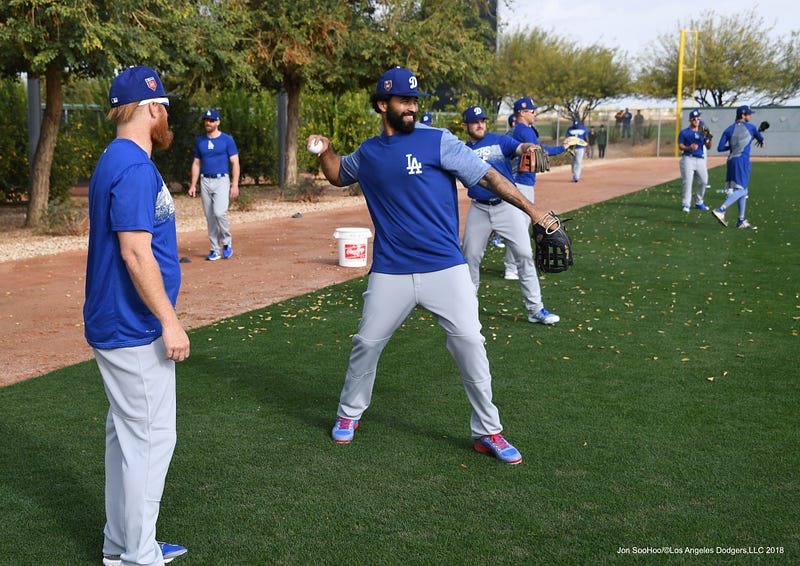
[251,118]
[14,165]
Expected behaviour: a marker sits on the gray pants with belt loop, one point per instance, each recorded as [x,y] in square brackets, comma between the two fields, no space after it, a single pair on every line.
[216,194]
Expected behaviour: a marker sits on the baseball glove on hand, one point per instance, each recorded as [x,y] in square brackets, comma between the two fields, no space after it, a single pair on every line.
[707,133]
[534,161]
[572,141]
[553,246]
[763,126]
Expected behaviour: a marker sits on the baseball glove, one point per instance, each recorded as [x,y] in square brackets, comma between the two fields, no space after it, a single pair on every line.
[763,126]
[707,133]
[534,161]
[553,246]
[575,140]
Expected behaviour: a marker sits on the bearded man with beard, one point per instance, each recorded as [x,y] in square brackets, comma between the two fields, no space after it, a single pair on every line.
[408,176]
[132,281]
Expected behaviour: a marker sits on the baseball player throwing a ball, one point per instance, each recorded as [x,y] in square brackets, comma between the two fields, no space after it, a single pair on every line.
[408,175]
[737,139]
[489,212]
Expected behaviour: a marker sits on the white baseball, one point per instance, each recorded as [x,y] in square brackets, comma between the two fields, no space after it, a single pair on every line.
[315,146]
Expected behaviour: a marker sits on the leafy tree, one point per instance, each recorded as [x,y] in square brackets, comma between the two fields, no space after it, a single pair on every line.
[14,169]
[66,39]
[555,71]
[341,45]
[738,58]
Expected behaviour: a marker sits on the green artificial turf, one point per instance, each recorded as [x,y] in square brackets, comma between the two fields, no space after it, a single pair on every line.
[658,420]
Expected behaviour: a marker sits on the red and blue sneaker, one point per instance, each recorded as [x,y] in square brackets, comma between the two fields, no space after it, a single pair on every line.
[499,447]
[344,430]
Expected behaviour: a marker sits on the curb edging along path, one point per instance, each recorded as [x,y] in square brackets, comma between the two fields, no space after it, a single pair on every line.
[41,299]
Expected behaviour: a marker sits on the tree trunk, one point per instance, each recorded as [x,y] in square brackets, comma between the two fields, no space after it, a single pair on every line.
[293,89]
[43,158]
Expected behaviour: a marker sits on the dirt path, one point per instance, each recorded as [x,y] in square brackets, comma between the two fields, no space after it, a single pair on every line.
[41,299]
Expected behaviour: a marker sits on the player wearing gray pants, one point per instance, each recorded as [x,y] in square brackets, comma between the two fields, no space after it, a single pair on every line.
[214,152]
[140,440]
[525,112]
[408,175]
[488,213]
[388,301]
[577,130]
[133,278]
[215,195]
[694,168]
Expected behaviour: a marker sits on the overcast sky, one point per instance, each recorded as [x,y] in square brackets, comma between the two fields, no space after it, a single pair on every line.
[633,24]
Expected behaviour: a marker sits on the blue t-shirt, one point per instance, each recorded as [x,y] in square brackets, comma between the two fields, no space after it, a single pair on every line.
[579,132]
[737,139]
[215,153]
[526,134]
[688,137]
[409,183]
[497,151]
[126,194]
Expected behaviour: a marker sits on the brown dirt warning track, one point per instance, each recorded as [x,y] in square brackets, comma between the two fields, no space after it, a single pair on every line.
[41,298]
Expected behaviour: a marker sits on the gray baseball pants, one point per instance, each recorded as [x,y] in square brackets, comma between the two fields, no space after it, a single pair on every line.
[510,224]
[216,196]
[577,162]
[510,261]
[693,171]
[140,440]
[450,296]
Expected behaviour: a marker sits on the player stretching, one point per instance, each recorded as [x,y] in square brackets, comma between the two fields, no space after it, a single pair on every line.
[737,138]
[408,176]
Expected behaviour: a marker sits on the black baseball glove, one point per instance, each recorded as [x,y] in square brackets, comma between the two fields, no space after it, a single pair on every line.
[553,246]
[707,133]
[763,126]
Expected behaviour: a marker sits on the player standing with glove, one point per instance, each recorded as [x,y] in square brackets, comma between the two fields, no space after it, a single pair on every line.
[408,175]
[488,212]
[525,112]
[693,142]
[737,139]
[579,132]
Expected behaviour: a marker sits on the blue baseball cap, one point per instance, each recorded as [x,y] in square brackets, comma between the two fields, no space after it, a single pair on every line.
[511,120]
[137,84]
[524,103]
[576,122]
[742,110]
[427,118]
[473,114]
[695,114]
[399,82]
[211,114]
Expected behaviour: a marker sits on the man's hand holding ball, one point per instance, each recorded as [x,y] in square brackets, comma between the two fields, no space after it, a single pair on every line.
[315,145]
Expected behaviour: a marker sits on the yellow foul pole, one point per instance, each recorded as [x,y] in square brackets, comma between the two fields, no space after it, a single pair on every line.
[678,122]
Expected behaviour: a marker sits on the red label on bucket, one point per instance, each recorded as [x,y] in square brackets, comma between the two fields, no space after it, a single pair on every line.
[355,251]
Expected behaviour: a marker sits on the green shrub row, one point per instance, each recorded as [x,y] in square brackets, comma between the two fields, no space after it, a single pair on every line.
[251,118]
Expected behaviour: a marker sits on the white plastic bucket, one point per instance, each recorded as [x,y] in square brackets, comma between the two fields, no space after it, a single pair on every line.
[352,246]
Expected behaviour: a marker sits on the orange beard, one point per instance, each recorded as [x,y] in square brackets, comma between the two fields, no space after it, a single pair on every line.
[161,135]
